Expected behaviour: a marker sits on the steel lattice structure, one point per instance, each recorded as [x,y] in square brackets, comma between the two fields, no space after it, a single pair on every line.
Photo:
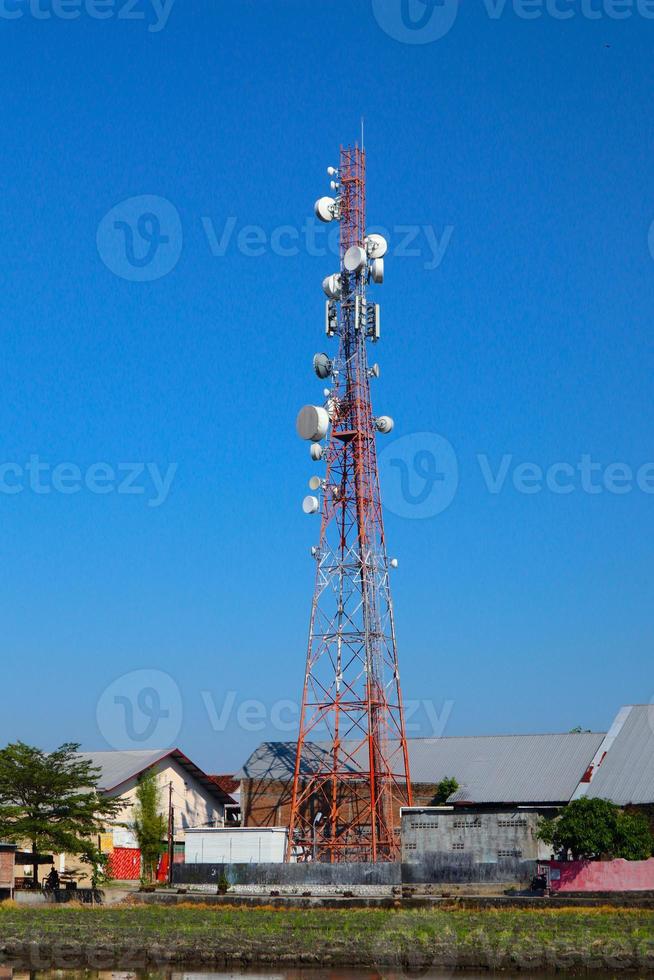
[357,774]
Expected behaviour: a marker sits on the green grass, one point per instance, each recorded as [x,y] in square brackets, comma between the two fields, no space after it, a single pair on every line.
[412,939]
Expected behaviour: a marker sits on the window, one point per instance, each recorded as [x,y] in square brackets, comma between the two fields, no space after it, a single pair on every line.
[512,822]
[458,845]
[505,853]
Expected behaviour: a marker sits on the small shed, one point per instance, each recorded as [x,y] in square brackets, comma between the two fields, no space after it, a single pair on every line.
[242,845]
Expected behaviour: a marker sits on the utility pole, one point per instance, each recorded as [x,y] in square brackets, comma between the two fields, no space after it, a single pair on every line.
[171,833]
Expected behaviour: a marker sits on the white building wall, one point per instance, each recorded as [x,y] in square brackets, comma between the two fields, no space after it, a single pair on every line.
[245,845]
[193,805]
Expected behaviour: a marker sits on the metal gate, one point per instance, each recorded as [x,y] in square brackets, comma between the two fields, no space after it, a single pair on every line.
[125,864]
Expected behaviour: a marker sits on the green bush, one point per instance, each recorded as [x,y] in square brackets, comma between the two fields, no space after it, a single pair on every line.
[589,829]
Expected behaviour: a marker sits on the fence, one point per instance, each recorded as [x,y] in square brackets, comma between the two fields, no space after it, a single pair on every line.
[461,869]
[600,876]
[287,874]
[433,868]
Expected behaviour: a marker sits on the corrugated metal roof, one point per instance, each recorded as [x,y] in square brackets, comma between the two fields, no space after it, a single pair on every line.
[626,774]
[510,768]
[488,768]
[276,760]
[118,767]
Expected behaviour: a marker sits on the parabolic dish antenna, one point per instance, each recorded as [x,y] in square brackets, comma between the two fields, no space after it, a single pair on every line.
[322,365]
[331,286]
[377,270]
[384,424]
[355,258]
[314,483]
[377,246]
[324,208]
[310,505]
[312,423]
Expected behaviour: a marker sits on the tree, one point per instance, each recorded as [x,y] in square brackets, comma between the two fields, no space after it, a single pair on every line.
[635,841]
[589,829]
[444,790]
[149,824]
[51,800]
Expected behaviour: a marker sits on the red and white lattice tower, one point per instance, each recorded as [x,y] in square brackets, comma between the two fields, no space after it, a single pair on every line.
[352,766]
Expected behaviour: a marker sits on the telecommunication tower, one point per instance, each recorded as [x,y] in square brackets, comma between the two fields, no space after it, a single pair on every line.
[352,765]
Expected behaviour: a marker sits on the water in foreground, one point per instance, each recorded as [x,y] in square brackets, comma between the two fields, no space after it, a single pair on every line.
[9,973]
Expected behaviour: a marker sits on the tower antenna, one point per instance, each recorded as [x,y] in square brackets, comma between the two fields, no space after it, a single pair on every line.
[351,763]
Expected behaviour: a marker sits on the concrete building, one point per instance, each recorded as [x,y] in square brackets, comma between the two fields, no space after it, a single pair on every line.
[482,836]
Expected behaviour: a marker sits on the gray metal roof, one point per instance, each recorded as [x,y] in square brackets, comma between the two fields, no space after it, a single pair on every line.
[276,760]
[626,774]
[512,768]
[488,768]
[119,767]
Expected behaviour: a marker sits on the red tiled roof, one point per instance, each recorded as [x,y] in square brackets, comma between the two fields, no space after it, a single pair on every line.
[226,783]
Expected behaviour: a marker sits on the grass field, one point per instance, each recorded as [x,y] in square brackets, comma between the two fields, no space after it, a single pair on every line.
[410,941]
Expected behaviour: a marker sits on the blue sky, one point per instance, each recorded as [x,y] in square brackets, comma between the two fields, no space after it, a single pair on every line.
[523,335]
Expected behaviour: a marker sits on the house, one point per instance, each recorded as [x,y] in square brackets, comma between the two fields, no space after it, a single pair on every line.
[195,798]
